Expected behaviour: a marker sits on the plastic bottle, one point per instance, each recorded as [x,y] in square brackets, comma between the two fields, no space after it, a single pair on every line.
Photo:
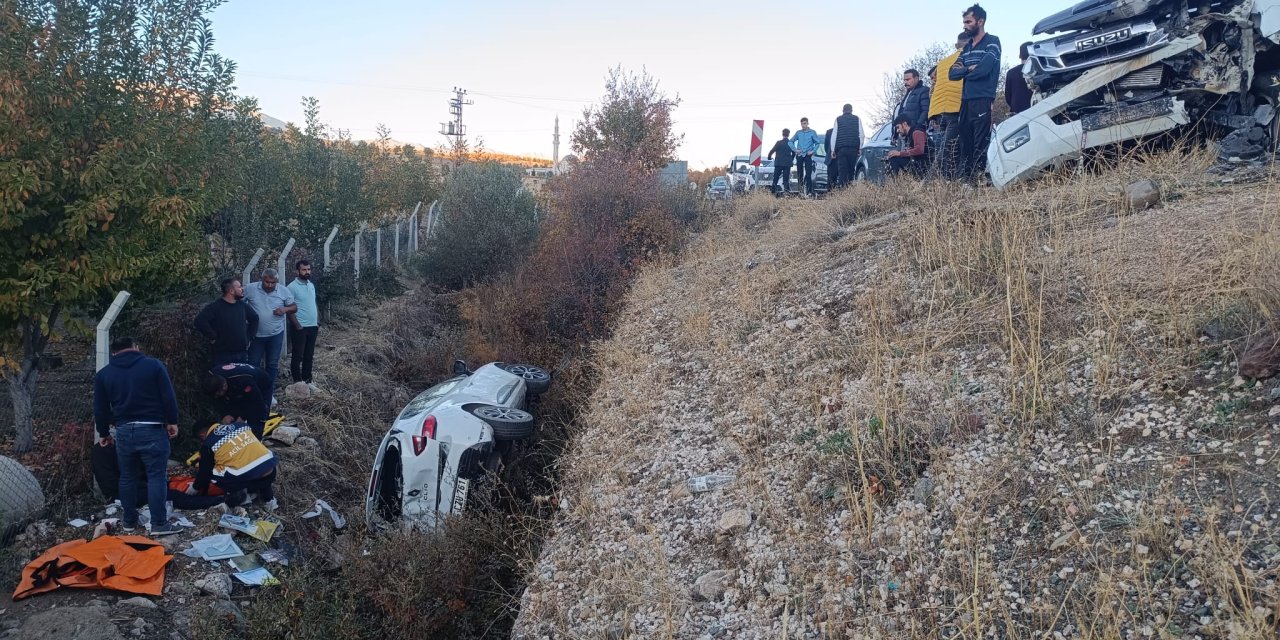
[702,484]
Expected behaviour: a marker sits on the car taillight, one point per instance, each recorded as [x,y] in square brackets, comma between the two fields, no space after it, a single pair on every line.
[428,432]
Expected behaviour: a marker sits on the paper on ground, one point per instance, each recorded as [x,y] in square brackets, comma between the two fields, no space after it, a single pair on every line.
[322,507]
[78,522]
[257,577]
[215,547]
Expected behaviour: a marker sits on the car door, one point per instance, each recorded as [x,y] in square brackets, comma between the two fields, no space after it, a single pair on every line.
[874,152]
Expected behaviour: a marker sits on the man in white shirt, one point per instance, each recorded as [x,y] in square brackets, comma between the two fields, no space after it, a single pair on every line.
[272,303]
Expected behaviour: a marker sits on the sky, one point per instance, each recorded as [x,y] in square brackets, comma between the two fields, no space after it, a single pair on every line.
[395,62]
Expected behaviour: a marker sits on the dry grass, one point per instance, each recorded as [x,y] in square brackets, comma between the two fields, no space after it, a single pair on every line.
[1035,355]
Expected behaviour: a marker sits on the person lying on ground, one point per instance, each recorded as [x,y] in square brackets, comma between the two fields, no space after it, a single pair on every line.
[236,461]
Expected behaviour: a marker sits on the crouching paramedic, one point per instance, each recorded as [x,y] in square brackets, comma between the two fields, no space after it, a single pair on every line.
[232,458]
[240,392]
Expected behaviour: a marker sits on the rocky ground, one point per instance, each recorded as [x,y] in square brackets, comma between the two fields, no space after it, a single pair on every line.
[1015,418]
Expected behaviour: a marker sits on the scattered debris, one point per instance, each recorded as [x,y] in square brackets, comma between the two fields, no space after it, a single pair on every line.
[323,507]
[215,547]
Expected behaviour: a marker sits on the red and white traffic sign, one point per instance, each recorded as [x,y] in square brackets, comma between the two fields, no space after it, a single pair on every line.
[757,141]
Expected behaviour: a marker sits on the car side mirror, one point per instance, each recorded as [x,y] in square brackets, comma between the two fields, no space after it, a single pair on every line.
[460,368]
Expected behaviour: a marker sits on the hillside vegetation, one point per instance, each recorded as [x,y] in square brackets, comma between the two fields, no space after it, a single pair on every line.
[950,413]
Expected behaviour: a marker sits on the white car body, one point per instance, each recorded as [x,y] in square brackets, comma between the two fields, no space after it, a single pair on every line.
[436,473]
[1044,136]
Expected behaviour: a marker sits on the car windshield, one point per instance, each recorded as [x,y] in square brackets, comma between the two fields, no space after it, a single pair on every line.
[717,182]
[428,397]
[883,134]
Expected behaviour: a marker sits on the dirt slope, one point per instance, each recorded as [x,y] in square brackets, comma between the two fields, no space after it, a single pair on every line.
[1015,418]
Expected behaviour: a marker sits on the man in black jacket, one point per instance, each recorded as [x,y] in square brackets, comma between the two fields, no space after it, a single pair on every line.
[229,323]
[134,395]
[846,144]
[240,392]
[979,67]
[1016,92]
[782,163]
[915,102]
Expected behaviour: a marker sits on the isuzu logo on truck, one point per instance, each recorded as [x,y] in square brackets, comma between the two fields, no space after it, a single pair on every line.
[1104,39]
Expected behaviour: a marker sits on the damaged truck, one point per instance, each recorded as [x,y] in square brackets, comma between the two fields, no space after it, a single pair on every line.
[1117,71]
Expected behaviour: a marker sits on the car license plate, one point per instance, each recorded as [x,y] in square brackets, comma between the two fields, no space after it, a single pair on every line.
[1104,39]
[460,495]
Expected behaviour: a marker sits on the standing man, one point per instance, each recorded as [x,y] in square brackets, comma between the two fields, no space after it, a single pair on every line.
[239,392]
[1016,91]
[133,393]
[272,303]
[833,167]
[915,102]
[805,144]
[304,323]
[781,167]
[945,106]
[979,67]
[913,157]
[846,137]
[228,323]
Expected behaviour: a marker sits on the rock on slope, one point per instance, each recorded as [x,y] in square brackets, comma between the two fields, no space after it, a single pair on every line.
[945,421]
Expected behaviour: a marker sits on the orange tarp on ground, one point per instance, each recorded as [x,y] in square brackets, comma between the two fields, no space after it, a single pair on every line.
[124,563]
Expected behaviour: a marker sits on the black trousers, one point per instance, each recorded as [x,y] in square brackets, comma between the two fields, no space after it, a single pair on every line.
[975,136]
[846,165]
[910,166]
[804,172]
[302,347]
[781,172]
[947,159]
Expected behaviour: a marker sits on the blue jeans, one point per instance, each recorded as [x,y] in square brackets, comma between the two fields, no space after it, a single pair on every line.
[147,444]
[269,347]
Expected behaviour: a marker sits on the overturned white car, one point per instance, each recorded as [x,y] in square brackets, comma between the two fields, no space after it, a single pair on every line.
[445,441]
[1129,69]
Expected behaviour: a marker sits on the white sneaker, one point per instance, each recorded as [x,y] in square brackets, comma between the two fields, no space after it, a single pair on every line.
[274,402]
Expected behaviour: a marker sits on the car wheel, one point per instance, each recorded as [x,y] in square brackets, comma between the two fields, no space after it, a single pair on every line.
[536,380]
[860,175]
[507,423]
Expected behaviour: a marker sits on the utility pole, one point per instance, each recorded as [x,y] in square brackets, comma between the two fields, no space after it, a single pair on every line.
[455,130]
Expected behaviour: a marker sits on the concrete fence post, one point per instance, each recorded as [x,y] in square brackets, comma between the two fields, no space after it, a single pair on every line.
[327,242]
[433,218]
[283,263]
[377,248]
[359,241]
[415,226]
[395,253]
[104,328]
[253,262]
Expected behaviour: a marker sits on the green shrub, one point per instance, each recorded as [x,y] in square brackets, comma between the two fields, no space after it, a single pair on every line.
[487,225]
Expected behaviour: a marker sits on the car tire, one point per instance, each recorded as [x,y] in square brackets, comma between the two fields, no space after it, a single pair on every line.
[507,423]
[536,380]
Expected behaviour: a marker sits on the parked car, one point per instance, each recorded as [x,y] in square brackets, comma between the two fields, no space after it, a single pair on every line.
[718,189]
[445,441]
[1128,69]
[872,163]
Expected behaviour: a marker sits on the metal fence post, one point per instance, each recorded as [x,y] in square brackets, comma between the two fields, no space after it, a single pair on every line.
[253,262]
[284,261]
[329,241]
[377,248]
[104,329]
